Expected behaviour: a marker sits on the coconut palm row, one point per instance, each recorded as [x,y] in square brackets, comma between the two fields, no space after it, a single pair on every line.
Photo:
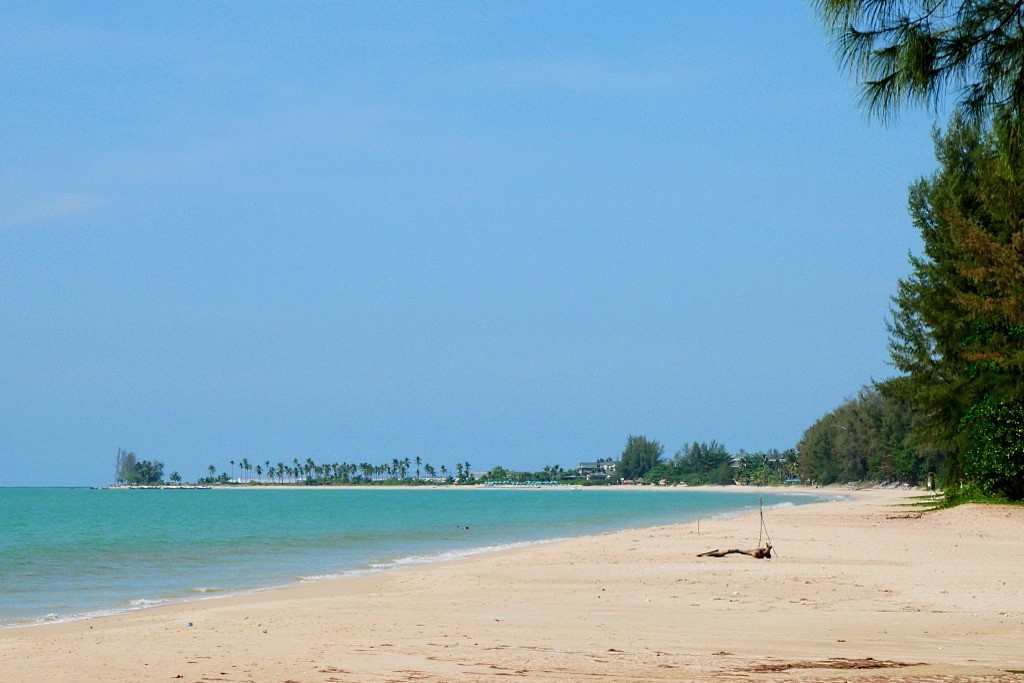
[311,472]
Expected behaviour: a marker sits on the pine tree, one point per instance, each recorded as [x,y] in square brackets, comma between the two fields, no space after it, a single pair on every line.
[915,51]
[957,330]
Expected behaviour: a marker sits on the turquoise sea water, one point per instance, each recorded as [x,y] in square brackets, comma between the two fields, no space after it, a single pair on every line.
[68,553]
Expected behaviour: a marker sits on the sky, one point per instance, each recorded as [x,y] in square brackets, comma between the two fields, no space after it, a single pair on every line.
[490,232]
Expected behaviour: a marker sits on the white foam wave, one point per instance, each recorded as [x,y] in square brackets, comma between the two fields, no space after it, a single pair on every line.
[321,577]
[457,554]
[145,602]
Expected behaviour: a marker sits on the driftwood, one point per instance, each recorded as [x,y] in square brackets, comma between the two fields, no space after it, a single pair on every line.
[764,553]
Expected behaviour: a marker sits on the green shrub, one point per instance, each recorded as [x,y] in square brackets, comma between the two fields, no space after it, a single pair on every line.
[995,459]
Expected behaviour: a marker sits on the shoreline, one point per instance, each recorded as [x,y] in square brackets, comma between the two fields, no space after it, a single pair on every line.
[855,578]
[791,489]
[211,594]
[441,556]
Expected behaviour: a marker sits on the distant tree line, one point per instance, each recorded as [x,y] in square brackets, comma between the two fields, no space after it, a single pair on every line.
[313,473]
[132,471]
[549,474]
[641,460]
[703,463]
[867,438]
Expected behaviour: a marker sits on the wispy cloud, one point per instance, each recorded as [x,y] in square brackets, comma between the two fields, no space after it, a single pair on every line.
[52,208]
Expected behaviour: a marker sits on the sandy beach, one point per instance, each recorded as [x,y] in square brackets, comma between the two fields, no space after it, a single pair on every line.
[861,589]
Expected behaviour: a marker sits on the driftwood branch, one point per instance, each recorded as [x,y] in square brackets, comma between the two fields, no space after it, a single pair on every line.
[764,553]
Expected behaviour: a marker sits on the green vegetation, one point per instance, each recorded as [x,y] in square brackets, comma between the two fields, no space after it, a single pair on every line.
[915,51]
[134,472]
[311,473]
[958,320]
[957,329]
[703,463]
[639,456]
[711,463]
[995,460]
[551,474]
[640,462]
[867,438]
[769,468]
[696,463]
[972,494]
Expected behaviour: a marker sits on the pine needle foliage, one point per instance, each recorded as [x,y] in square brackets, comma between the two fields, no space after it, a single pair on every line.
[919,52]
[957,327]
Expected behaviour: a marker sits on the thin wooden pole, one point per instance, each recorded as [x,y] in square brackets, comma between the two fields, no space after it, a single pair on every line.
[761,529]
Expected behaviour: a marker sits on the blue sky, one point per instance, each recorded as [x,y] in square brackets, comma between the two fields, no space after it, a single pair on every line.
[490,232]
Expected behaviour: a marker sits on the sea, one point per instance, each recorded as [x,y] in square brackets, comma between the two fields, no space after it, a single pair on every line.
[72,553]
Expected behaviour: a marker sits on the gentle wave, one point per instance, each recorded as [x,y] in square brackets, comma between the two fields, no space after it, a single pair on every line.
[54,618]
[458,554]
[303,539]
[409,560]
[145,602]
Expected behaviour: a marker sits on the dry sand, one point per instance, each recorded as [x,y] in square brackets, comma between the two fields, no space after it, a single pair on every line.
[935,598]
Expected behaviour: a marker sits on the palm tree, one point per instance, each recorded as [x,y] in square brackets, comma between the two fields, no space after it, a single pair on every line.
[444,472]
[465,468]
[175,477]
[259,471]
[232,463]
[431,472]
[792,460]
[212,470]
[419,461]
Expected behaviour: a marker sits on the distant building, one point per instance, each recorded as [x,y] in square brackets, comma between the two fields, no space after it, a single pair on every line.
[596,471]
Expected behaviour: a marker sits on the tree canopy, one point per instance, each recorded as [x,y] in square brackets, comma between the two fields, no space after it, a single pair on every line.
[957,327]
[917,51]
[867,438]
[639,456]
[704,463]
[131,470]
[957,330]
